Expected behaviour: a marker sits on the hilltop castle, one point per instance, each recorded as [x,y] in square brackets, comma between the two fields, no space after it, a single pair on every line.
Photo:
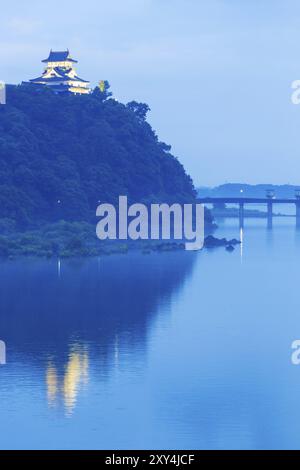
[60,74]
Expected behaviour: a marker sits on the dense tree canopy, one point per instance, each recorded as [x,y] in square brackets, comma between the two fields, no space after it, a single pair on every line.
[61,155]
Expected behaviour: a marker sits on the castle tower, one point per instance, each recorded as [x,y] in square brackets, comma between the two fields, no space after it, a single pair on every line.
[60,74]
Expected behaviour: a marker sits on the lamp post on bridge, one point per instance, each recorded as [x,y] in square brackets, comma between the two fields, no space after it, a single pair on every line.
[241,210]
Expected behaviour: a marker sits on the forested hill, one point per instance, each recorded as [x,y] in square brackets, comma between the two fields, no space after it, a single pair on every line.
[60,155]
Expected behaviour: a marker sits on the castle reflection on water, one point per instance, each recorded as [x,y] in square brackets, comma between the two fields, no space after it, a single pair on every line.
[178,350]
[67,386]
[71,315]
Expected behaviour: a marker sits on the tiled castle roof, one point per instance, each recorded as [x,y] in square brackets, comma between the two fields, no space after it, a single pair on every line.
[63,75]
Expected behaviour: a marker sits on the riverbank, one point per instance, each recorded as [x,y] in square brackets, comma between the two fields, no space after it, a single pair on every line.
[78,239]
[234,213]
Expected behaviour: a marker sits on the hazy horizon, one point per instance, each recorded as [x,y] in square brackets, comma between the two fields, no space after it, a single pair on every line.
[244,183]
[217,74]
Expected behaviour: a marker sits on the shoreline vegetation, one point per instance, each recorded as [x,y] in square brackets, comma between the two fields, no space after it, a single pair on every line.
[78,239]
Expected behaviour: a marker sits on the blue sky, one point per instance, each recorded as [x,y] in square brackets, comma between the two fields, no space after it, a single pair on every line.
[217,74]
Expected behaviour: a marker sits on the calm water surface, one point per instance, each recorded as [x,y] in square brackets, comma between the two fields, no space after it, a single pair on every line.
[174,350]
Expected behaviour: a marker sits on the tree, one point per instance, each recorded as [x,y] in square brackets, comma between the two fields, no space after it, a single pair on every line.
[101,92]
[72,149]
[139,109]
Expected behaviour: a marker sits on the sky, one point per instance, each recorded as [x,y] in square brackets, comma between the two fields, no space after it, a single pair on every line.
[216,74]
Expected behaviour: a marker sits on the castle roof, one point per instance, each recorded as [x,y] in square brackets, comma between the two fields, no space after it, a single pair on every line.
[62,75]
[59,56]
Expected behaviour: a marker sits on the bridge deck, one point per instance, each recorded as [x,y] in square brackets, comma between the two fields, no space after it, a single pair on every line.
[246,200]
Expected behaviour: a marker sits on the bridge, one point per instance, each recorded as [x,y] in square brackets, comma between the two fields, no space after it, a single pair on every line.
[269,200]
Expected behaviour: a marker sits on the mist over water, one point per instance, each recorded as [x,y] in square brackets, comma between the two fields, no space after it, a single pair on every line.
[168,350]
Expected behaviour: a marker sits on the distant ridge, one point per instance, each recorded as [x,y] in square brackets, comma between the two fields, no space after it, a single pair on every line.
[248,190]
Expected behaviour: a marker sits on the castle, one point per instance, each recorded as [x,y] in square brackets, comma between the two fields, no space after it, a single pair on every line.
[60,74]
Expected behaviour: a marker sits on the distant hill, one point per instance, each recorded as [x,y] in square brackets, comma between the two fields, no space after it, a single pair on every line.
[61,155]
[236,189]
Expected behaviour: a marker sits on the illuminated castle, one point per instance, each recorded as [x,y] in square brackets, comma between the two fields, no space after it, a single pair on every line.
[60,74]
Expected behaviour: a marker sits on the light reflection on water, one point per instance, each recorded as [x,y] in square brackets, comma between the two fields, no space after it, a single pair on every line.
[68,384]
[170,350]
[242,242]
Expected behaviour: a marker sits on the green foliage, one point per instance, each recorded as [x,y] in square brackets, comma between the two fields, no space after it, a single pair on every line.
[61,155]
[139,109]
[101,92]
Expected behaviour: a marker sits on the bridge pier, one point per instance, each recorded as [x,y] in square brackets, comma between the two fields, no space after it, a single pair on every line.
[298,214]
[241,215]
[270,214]
[269,201]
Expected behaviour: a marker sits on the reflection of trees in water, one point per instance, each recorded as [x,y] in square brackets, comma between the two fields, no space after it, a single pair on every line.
[94,307]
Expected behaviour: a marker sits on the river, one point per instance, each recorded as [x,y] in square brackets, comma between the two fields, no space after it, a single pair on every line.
[177,350]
